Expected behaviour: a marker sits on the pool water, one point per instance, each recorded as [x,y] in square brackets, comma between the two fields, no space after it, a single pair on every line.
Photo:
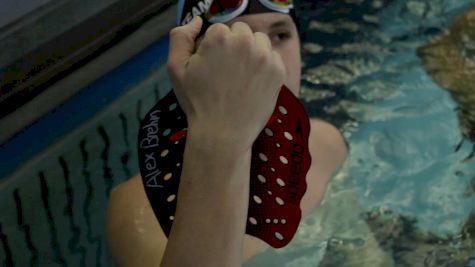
[404,197]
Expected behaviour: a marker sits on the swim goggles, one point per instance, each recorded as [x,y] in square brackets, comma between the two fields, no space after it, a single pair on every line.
[222,11]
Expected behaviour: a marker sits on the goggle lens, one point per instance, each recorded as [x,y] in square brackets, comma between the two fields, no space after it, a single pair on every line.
[285,3]
[223,8]
[278,5]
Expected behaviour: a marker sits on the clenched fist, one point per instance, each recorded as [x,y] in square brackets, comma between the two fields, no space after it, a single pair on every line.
[227,86]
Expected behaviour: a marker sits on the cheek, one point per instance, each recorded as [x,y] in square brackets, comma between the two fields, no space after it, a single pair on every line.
[293,69]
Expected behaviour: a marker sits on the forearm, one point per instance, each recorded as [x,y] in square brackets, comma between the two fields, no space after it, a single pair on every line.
[212,204]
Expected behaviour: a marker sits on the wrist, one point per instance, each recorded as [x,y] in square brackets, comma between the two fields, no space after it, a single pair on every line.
[216,143]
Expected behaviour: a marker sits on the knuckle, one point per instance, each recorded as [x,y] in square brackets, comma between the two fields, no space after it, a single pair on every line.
[220,26]
[262,57]
[175,31]
[179,33]
[264,37]
[239,25]
[217,30]
[245,41]
[264,46]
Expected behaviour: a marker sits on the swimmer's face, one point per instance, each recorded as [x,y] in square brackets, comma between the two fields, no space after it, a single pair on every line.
[285,40]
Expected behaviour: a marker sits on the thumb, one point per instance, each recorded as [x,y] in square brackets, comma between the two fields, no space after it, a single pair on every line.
[182,44]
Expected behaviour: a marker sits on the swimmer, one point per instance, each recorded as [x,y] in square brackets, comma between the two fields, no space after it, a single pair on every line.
[263,51]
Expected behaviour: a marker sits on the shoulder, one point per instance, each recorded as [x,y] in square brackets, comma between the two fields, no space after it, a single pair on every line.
[134,237]
[328,151]
[327,143]
[128,195]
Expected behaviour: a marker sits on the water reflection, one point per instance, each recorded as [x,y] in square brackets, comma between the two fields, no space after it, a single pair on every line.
[407,244]
[450,60]
[414,195]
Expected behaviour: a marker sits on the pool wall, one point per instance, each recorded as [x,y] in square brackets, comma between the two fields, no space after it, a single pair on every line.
[57,173]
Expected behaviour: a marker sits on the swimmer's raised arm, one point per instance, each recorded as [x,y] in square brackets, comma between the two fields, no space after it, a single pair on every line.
[210,219]
[228,89]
